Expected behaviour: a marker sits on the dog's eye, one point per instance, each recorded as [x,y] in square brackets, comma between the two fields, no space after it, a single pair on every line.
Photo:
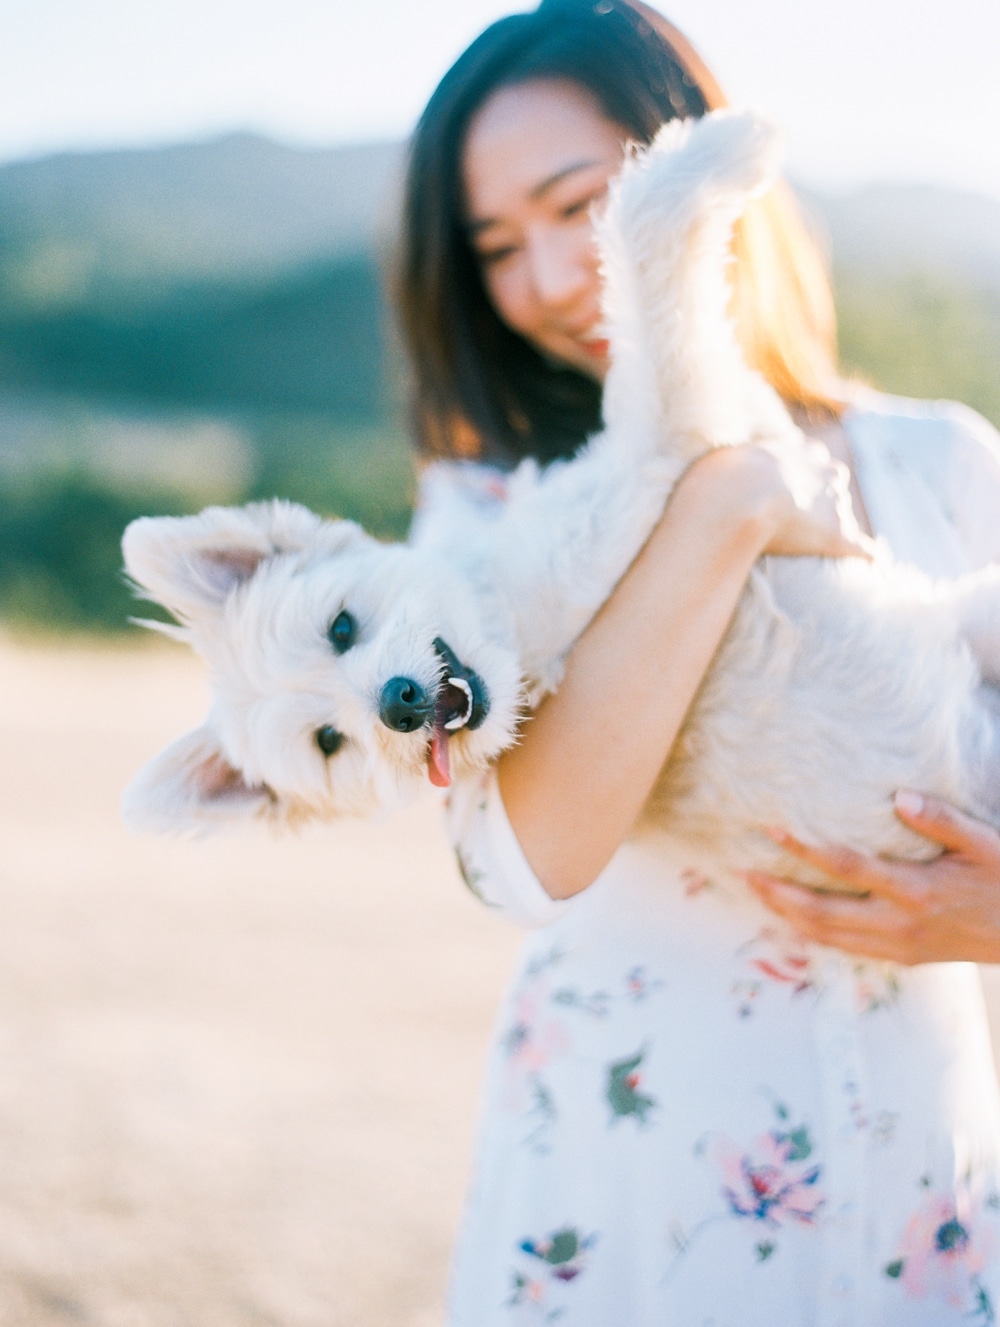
[328,740]
[342,632]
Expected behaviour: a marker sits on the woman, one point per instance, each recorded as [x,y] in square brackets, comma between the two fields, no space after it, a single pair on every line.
[678,1084]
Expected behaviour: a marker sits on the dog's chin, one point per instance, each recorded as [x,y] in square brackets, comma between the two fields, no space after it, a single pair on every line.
[435,757]
[471,751]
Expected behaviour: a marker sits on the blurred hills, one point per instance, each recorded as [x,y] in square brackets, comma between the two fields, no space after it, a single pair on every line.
[243,208]
[207,322]
[243,274]
[917,282]
[897,228]
[240,206]
[232,274]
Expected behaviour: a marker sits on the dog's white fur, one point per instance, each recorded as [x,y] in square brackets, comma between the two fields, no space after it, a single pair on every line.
[837,683]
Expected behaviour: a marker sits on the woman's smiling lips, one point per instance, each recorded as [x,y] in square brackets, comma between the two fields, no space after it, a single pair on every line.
[598,347]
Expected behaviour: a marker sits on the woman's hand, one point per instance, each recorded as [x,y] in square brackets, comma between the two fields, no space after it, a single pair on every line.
[939,911]
[805,496]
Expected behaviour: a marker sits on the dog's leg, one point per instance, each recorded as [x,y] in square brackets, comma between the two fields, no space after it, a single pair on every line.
[678,384]
[668,231]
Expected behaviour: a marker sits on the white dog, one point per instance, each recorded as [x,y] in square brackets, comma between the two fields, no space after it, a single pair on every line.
[344,670]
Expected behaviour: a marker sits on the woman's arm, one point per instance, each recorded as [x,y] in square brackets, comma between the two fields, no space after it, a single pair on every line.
[939,911]
[589,757]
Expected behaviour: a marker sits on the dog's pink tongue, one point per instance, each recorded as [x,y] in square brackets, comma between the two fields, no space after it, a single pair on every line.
[438,769]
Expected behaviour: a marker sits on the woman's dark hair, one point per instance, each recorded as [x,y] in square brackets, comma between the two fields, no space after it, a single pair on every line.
[479,388]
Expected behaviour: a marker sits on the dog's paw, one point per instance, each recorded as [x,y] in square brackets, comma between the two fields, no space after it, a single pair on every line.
[694,169]
[731,151]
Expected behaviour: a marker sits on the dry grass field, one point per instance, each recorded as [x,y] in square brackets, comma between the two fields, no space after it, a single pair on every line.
[238,1076]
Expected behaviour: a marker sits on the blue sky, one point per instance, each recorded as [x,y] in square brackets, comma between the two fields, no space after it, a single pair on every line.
[867,89]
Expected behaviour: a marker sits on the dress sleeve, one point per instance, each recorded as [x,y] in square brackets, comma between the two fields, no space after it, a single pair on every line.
[490,858]
[974,484]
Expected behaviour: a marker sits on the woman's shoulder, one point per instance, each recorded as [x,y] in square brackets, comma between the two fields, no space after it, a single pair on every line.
[946,443]
[930,457]
[907,431]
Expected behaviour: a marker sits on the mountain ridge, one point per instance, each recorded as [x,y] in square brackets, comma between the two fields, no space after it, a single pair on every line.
[240,204]
[223,208]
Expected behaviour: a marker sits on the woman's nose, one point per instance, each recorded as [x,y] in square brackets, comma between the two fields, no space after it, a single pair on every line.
[563,269]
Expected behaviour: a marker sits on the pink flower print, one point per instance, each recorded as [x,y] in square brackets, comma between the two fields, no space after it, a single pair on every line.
[775,1182]
[525,1290]
[638,985]
[532,1042]
[941,1254]
[876,986]
[695,882]
[774,957]
[787,964]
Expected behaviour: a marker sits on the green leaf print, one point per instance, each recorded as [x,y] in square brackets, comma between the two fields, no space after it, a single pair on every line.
[564,1255]
[472,877]
[564,1246]
[984,1307]
[797,1142]
[895,1269]
[623,1093]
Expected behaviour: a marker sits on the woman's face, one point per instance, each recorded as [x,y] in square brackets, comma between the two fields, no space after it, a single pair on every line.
[537,156]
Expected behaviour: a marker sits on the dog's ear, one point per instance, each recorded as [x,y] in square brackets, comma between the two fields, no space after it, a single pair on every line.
[191,564]
[191,786]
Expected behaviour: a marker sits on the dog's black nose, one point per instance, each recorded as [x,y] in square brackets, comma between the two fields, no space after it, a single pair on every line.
[404,705]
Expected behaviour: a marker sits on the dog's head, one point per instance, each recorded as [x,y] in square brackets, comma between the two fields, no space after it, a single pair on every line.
[344,672]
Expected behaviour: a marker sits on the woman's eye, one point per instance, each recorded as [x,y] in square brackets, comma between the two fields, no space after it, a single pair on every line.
[583,205]
[492,257]
[342,632]
[329,740]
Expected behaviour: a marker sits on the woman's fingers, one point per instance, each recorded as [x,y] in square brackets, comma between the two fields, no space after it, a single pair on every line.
[850,540]
[808,497]
[864,875]
[874,928]
[829,502]
[857,543]
[823,910]
[909,912]
[906,884]
[943,824]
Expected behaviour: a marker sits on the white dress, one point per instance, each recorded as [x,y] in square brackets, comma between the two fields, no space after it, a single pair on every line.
[694,1119]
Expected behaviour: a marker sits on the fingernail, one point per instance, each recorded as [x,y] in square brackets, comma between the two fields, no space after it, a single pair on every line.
[910,803]
[777,833]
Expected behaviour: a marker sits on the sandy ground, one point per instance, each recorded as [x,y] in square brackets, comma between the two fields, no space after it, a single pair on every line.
[238,1077]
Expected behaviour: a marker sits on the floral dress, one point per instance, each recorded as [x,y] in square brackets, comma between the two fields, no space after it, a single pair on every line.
[692,1118]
